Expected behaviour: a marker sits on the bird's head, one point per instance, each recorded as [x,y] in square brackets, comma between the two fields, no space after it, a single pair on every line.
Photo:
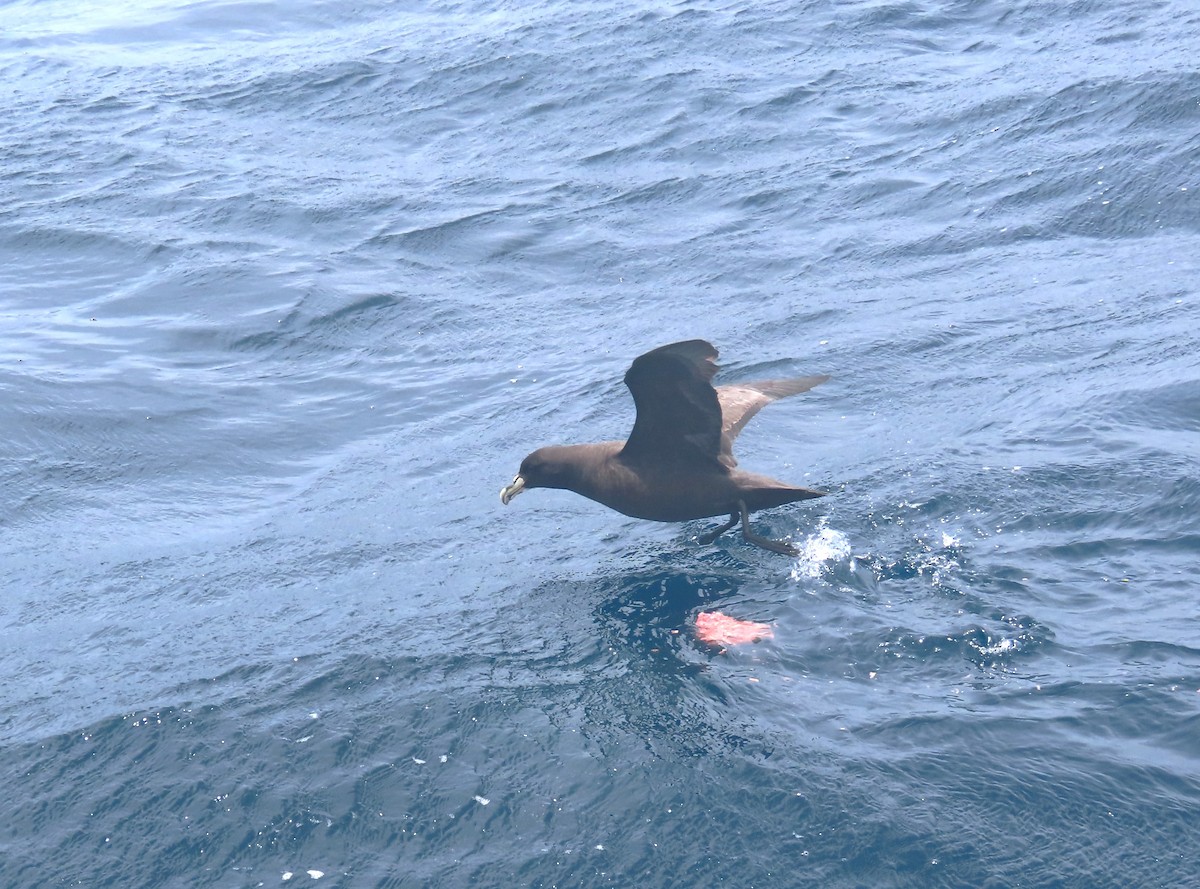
[546,467]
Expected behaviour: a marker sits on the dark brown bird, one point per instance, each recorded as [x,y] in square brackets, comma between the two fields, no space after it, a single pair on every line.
[678,463]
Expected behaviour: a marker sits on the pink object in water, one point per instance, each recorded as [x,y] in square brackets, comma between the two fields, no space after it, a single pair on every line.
[716,628]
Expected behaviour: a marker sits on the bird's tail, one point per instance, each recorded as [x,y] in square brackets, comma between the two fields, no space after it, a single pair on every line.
[765,498]
[764,492]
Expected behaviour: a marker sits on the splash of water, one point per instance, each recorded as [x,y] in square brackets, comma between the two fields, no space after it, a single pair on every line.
[825,547]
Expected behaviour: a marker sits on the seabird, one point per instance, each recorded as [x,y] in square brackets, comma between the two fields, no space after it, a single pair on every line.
[677,464]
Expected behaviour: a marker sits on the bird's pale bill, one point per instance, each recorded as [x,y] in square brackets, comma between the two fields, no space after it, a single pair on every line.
[507,494]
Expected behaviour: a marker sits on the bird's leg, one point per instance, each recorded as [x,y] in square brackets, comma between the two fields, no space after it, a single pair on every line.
[775,546]
[710,536]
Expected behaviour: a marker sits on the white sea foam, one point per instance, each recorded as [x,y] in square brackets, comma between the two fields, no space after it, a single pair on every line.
[826,547]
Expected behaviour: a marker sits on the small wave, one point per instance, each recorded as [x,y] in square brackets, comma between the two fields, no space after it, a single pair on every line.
[996,648]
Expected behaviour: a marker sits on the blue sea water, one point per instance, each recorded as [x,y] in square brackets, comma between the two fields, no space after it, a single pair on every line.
[288,290]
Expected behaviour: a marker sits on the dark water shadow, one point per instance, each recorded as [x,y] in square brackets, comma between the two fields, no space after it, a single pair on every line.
[647,675]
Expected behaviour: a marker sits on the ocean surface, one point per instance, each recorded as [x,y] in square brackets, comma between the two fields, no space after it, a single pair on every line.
[287,290]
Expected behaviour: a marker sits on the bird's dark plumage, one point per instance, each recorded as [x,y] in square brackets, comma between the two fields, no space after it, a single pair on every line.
[678,462]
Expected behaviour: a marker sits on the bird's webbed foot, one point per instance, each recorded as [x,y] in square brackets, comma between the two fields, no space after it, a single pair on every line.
[709,536]
[775,546]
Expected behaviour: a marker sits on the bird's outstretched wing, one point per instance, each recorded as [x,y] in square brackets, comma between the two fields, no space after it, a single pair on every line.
[741,401]
[678,413]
